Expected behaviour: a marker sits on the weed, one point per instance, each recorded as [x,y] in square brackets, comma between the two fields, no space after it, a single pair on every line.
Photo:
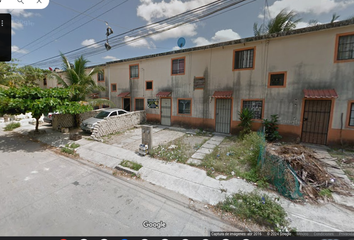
[325,193]
[197,146]
[68,150]
[246,116]
[73,145]
[171,154]
[12,126]
[132,165]
[259,208]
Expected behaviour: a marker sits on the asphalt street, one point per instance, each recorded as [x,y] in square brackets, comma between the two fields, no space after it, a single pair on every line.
[46,194]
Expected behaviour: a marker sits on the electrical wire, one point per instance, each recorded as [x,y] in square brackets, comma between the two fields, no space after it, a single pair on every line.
[136,34]
[72,30]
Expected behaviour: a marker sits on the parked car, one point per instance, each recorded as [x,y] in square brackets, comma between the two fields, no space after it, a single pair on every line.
[89,124]
[48,118]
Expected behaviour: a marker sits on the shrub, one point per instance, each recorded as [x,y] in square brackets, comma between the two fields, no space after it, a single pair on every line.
[132,165]
[271,128]
[12,126]
[259,208]
[246,116]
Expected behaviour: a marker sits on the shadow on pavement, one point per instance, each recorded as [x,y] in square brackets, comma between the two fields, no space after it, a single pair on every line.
[13,142]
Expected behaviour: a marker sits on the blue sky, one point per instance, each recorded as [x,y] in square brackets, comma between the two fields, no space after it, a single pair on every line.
[29,25]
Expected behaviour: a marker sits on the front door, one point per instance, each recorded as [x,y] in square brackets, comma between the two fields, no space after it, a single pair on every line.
[315,122]
[166,111]
[126,104]
[223,115]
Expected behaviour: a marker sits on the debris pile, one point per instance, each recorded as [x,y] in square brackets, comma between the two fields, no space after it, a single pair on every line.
[311,173]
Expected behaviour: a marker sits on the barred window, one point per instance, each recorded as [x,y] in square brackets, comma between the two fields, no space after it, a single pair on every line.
[345,47]
[134,71]
[256,107]
[178,66]
[244,59]
[139,104]
[184,106]
[100,76]
[277,80]
[351,115]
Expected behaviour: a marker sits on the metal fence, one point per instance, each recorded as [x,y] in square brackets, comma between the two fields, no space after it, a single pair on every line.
[278,172]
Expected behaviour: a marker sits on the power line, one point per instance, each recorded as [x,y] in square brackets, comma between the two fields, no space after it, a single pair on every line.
[73,30]
[46,34]
[199,13]
[87,15]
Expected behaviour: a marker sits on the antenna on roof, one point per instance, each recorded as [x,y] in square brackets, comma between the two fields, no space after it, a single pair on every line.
[181,42]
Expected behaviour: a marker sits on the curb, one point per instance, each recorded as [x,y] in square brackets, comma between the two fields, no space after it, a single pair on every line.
[127,170]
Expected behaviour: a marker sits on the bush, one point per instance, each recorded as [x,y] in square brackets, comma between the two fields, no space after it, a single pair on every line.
[271,128]
[12,126]
[259,208]
[246,116]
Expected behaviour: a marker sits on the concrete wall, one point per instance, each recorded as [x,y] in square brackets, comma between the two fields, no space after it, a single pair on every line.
[68,120]
[118,123]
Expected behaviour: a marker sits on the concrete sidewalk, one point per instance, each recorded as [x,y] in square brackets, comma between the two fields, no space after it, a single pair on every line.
[195,184]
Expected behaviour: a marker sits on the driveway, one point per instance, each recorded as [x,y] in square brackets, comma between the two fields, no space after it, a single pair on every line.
[43,193]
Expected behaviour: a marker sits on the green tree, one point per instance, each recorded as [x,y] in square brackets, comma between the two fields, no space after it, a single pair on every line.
[282,22]
[77,78]
[38,101]
[31,75]
[335,17]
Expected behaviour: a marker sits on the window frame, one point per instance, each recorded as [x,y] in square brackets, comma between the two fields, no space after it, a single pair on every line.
[184,68]
[139,98]
[336,60]
[152,85]
[184,114]
[45,83]
[130,76]
[98,79]
[114,84]
[274,73]
[240,50]
[251,100]
[350,104]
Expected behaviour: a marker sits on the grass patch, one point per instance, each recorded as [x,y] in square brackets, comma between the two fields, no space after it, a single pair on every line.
[197,146]
[68,150]
[177,153]
[132,165]
[240,159]
[260,209]
[73,145]
[325,193]
[202,132]
[12,126]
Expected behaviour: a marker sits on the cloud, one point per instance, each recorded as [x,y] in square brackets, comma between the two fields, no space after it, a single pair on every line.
[316,7]
[150,10]
[176,48]
[90,43]
[22,13]
[187,30]
[16,25]
[220,36]
[110,58]
[134,42]
[16,49]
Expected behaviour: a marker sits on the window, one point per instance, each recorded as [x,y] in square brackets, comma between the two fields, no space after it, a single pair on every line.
[134,71]
[184,106]
[113,114]
[121,112]
[148,85]
[277,79]
[100,76]
[45,82]
[113,87]
[244,59]
[139,104]
[178,65]
[351,114]
[256,106]
[345,48]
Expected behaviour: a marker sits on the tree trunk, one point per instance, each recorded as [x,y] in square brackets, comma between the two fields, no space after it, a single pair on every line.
[37,124]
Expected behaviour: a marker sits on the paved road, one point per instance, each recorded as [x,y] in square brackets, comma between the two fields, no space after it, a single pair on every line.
[42,193]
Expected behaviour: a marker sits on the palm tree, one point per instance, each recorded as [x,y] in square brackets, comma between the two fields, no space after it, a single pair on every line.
[76,77]
[283,22]
[334,17]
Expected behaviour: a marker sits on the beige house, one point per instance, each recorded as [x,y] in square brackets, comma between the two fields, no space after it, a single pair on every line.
[305,76]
